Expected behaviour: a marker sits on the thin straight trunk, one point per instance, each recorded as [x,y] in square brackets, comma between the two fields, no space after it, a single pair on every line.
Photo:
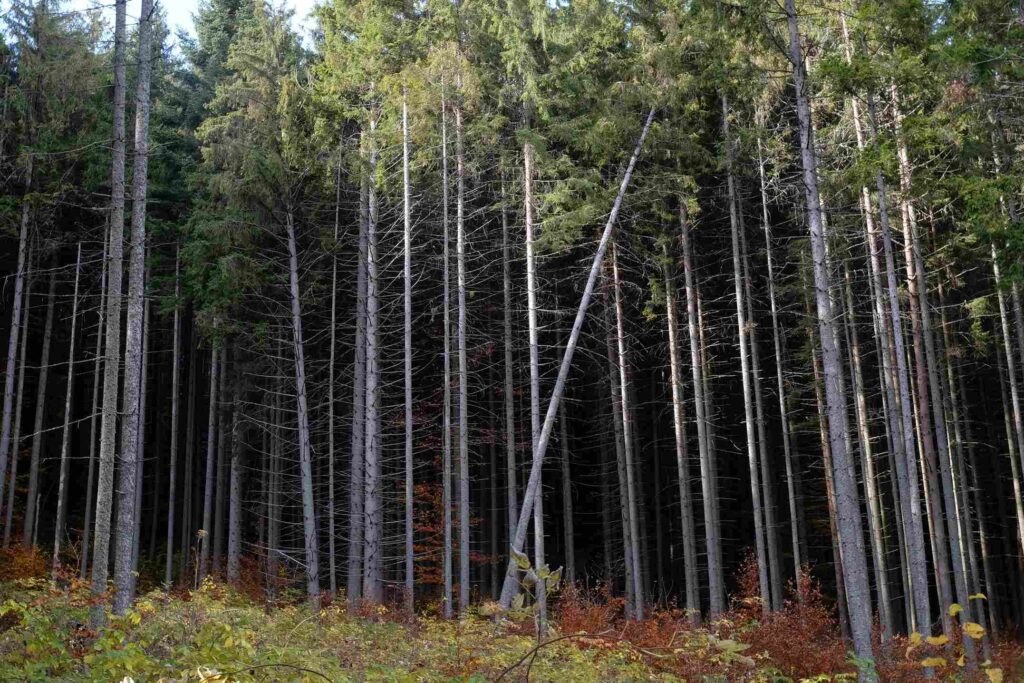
[235,482]
[139,458]
[357,491]
[830,490]
[534,344]
[768,496]
[90,489]
[187,516]
[310,540]
[780,383]
[460,258]
[568,532]
[712,535]
[222,456]
[112,344]
[29,527]
[876,530]
[8,446]
[930,414]
[410,577]
[446,427]
[745,371]
[274,494]
[331,403]
[16,436]
[606,512]
[660,593]
[620,458]
[211,451]
[65,442]
[851,537]
[907,466]
[682,455]
[172,484]
[627,436]
[510,411]
[493,521]
[373,513]
[509,589]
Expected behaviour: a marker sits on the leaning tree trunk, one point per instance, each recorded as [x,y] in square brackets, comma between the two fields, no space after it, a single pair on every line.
[310,540]
[65,442]
[31,506]
[124,560]
[855,573]
[509,588]
[112,344]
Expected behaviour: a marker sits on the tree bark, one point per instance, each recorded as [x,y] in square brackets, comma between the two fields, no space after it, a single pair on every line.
[31,506]
[112,344]
[410,577]
[172,484]
[124,565]
[310,540]
[847,499]
[65,442]
[211,451]
[16,435]
[448,597]
[460,258]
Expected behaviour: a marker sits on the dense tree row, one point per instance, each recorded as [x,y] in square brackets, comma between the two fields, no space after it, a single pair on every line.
[454,294]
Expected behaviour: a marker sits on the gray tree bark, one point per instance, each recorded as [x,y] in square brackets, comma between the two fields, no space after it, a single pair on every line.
[112,344]
[172,484]
[31,507]
[410,571]
[65,442]
[847,499]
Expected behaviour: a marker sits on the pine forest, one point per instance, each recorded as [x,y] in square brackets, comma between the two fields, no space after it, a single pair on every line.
[511,340]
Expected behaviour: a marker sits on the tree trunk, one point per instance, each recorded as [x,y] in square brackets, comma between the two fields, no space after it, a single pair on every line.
[712,534]
[568,531]
[31,507]
[682,456]
[65,442]
[745,371]
[235,481]
[112,344]
[16,435]
[509,589]
[410,577]
[90,488]
[460,257]
[512,493]
[847,499]
[8,446]
[140,456]
[211,450]
[534,348]
[172,483]
[446,428]
[373,513]
[357,491]
[310,540]
[134,360]
[780,384]
[331,403]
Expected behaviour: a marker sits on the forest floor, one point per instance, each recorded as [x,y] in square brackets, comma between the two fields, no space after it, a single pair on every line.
[221,634]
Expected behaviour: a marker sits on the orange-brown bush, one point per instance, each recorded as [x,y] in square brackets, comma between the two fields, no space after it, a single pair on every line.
[22,563]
